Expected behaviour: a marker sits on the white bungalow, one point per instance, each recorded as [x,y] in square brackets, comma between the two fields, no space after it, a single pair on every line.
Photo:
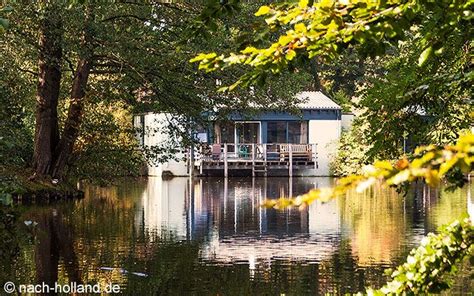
[270,143]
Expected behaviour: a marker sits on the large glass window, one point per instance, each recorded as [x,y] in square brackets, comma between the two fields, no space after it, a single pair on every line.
[227,133]
[294,132]
[276,132]
[248,132]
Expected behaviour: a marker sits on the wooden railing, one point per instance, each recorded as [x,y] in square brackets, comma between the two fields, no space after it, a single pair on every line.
[265,152]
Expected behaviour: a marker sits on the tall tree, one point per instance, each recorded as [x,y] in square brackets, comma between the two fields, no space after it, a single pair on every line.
[78,92]
[49,80]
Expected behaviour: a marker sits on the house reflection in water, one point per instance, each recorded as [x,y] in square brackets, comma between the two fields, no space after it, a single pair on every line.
[376,228]
[162,209]
[225,216]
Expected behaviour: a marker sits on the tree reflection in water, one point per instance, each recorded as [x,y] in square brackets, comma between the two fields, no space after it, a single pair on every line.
[54,241]
[208,236]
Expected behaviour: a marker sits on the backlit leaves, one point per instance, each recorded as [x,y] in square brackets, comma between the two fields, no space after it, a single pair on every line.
[263,10]
[425,55]
[324,27]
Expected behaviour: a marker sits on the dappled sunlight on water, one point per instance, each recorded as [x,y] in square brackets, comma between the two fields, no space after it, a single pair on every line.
[378,226]
[209,236]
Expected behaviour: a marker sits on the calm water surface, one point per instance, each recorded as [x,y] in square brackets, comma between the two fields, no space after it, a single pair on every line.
[209,237]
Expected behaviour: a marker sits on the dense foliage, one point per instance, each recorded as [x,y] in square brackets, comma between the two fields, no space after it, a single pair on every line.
[3,21]
[323,28]
[401,105]
[411,105]
[352,153]
[107,147]
[93,120]
[16,118]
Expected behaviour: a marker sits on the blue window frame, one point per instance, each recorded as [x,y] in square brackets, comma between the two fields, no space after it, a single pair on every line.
[293,132]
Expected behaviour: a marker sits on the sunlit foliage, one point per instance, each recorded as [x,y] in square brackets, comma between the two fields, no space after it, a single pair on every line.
[107,146]
[351,152]
[323,28]
[408,105]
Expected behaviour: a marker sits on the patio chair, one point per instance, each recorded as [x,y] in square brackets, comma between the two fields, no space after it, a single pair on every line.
[216,151]
[244,151]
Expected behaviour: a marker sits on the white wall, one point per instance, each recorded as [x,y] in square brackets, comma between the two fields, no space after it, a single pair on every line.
[155,134]
[326,134]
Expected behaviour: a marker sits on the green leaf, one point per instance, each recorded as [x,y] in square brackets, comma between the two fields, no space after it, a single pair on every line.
[327,3]
[4,23]
[203,56]
[425,55]
[6,9]
[284,40]
[300,27]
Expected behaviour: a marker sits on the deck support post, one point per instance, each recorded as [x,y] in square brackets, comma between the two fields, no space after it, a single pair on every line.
[253,160]
[315,155]
[290,187]
[264,152]
[226,168]
[191,161]
[201,160]
[290,165]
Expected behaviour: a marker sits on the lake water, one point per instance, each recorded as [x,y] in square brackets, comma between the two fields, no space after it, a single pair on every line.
[210,237]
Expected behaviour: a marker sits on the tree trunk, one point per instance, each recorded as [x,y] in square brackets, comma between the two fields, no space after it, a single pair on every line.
[74,118]
[317,85]
[49,69]
[75,112]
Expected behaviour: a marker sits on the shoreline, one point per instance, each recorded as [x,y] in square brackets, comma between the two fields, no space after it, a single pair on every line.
[16,187]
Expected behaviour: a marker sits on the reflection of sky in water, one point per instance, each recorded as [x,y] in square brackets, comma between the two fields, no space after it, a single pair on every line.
[224,215]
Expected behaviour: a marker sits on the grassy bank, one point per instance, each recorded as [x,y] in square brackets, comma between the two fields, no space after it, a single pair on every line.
[16,185]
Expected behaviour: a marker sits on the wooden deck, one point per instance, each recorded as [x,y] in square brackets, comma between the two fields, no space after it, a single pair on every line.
[260,159]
